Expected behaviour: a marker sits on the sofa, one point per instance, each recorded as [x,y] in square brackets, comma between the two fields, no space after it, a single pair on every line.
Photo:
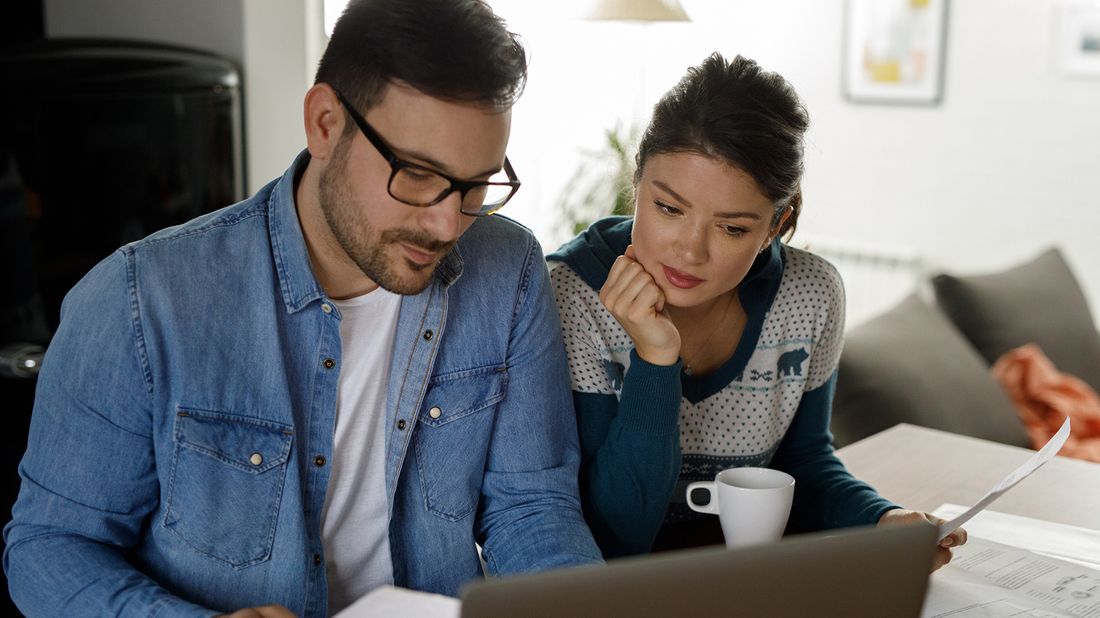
[927,360]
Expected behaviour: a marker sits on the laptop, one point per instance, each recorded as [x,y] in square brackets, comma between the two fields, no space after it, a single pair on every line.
[854,572]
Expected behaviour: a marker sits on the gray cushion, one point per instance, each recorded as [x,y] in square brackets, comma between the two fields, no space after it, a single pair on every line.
[910,365]
[1037,302]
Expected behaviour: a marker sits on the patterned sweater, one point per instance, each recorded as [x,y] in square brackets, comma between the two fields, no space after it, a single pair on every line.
[647,431]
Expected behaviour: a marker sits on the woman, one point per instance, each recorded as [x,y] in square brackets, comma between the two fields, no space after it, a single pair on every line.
[697,340]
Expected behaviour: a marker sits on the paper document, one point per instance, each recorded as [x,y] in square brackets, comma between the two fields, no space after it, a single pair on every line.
[1033,463]
[989,579]
[388,601]
[1072,543]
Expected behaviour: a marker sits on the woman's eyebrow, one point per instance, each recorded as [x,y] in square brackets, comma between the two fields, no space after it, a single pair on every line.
[733,214]
[667,189]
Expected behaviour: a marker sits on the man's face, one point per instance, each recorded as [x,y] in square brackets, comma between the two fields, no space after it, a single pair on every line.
[396,245]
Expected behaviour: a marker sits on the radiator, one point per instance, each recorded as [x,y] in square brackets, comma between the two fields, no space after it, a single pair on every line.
[875,278]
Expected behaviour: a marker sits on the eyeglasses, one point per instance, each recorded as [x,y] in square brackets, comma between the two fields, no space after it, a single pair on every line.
[417,185]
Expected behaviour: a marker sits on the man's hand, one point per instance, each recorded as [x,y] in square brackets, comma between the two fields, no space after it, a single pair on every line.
[633,297]
[265,611]
[905,516]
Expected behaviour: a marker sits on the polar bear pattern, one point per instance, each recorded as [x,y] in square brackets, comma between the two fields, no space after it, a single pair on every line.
[790,363]
[615,373]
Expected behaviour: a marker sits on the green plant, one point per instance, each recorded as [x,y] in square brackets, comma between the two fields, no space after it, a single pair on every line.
[603,183]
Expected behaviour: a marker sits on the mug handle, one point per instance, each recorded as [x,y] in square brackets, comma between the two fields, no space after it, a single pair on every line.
[710,507]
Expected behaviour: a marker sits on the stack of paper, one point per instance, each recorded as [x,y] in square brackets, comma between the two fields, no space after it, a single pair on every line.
[1017,566]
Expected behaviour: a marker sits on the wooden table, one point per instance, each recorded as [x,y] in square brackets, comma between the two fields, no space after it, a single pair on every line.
[921,468]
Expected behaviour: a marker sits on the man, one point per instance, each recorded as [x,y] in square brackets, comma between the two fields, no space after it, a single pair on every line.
[342,382]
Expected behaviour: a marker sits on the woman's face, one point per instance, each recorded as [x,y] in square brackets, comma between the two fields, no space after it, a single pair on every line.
[699,225]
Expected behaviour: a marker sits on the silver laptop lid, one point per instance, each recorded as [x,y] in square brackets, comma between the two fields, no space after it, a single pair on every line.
[852,573]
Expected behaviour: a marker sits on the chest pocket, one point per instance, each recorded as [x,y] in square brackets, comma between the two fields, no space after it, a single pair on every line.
[452,439]
[226,484]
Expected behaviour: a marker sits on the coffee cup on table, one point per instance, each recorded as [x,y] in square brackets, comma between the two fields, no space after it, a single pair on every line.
[752,504]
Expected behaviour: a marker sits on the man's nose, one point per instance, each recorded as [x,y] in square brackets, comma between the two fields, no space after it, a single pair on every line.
[445,221]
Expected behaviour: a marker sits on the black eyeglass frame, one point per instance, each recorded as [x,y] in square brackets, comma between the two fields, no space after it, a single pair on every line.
[397,164]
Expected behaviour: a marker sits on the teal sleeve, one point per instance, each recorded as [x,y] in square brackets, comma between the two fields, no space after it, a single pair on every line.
[630,456]
[826,495]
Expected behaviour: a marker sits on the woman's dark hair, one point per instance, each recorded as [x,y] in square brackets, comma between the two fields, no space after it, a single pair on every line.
[735,111]
[450,49]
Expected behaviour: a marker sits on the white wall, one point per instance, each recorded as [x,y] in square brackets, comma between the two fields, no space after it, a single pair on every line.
[282,43]
[1007,164]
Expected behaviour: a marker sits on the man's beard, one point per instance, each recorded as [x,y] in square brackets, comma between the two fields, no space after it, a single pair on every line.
[362,242]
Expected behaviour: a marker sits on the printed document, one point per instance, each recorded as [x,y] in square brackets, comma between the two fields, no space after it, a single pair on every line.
[1017,566]
[990,579]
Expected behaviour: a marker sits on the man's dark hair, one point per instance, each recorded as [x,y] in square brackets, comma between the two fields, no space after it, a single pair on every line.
[450,49]
[737,112]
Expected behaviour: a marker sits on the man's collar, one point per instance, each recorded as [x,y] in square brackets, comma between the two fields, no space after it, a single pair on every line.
[288,244]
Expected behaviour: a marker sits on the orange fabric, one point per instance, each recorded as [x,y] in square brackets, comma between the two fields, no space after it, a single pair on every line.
[1044,397]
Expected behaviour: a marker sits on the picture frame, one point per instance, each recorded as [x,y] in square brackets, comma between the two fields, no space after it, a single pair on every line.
[894,51]
[1077,40]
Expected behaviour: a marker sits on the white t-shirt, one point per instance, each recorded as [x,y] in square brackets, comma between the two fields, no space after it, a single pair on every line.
[355,518]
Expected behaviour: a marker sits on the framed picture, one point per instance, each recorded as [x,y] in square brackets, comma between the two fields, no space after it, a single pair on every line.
[1077,40]
[894,50]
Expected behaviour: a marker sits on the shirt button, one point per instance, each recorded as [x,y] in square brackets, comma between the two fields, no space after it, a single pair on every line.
[428,335]
[327,308]
[401,424]
[318,461]
[256,459]
[317,559]
[435,412]
[329,363]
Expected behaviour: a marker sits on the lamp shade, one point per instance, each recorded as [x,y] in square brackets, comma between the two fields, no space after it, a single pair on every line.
[637,10]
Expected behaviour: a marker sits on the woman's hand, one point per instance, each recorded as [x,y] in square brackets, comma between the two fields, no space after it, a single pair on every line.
[632,296]
[905,516]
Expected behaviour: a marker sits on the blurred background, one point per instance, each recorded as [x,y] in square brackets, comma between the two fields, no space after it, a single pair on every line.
[1004,162]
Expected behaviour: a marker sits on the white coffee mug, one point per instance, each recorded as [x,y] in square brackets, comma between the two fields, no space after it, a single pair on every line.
[752,504]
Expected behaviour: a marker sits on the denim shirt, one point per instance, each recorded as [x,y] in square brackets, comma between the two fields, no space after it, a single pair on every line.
[185,414]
